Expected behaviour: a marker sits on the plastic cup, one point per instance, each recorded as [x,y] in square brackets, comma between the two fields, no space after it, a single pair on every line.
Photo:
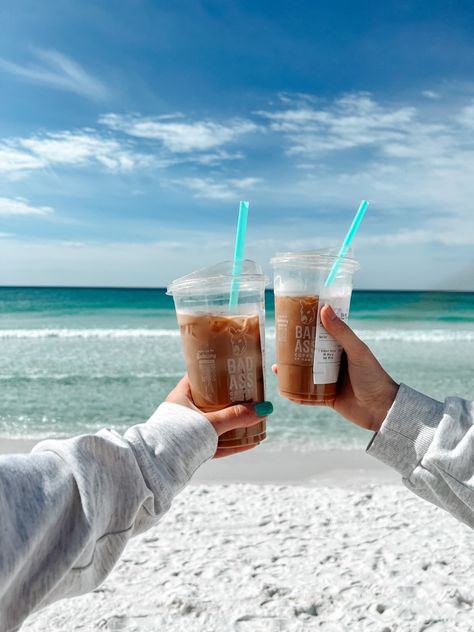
[224,344]
[308,357]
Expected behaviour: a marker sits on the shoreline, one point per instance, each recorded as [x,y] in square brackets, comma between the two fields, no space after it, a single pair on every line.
[329,468]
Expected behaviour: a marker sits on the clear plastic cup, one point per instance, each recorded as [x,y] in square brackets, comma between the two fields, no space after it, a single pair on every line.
[308,357]
[224,345]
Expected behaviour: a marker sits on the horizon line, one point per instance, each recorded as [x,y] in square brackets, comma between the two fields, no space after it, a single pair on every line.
[162,287]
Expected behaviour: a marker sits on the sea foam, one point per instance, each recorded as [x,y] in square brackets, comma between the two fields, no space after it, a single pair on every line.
[401,335]
[88,333]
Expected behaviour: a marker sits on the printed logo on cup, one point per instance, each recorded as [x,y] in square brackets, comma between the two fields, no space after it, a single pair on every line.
[307,312]
[240,368]
[305,333]
[304,342]
[239,340]
[241,378]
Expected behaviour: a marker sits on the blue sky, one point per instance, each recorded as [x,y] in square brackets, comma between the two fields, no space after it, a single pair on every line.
[130,130]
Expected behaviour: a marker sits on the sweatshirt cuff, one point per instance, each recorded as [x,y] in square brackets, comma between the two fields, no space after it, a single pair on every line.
[407,431]
[174,443]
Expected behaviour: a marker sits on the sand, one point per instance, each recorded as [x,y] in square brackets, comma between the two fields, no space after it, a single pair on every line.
[342,548]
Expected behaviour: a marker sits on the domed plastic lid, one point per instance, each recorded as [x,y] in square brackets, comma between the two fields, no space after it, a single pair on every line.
[315,260]
[219,277]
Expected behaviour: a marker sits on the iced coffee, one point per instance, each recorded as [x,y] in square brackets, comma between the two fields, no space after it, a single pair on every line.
[296,324]
[223,344]
[308,357]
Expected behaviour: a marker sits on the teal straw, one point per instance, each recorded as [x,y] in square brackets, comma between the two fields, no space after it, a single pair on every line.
[346,243]
[239,253]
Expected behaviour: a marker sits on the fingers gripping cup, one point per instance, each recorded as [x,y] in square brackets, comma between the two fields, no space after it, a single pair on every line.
[223,340]
[308,357]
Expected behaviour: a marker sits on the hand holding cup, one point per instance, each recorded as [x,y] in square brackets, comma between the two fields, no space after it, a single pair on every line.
[366,391]
[225,420]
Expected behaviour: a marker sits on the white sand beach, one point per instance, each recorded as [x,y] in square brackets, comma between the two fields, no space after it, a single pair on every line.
[344,548]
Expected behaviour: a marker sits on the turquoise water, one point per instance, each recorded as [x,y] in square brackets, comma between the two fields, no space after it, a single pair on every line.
[75,360]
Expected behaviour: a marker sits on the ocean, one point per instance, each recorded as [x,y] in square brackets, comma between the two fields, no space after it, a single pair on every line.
[74,360]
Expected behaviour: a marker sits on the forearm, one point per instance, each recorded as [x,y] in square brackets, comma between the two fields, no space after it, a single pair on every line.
[432,446]
[68,509]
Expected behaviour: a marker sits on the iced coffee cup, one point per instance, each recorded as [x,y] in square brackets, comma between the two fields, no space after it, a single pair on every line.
[308,357]
[223,342]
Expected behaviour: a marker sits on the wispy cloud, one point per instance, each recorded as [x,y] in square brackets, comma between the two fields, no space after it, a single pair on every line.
[19,156]
[20,206]
[466,116]
[84,147]
[14,161]
[224,189]
[416,158]
[439,233]
[56,70]
[357,121]
[125,144]
[414,161]
[179,136]
[351,121]
[215,157]
[430,94]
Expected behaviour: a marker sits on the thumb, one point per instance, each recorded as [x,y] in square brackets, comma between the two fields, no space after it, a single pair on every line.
[352,345]
[239,416]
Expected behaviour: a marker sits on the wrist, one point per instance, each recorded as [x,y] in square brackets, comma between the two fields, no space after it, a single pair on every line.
[380,410]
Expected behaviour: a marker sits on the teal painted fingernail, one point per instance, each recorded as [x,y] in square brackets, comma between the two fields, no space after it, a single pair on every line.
[263,409]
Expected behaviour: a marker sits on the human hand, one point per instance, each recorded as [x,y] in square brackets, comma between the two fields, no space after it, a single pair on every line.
[366,391]
[230,418]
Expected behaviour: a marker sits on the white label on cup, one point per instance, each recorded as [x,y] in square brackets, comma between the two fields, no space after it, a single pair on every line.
[327,351]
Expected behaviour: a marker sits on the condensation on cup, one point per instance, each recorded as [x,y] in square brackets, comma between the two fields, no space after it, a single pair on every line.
[223,344]
[308,357]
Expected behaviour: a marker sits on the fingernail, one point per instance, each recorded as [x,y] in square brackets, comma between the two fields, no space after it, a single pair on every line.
[263,409]
[330,312]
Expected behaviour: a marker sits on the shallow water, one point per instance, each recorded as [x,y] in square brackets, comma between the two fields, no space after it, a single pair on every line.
[75,360]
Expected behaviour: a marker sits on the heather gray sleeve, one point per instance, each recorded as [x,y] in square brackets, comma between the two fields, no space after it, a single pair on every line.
[432,446]
[68,509]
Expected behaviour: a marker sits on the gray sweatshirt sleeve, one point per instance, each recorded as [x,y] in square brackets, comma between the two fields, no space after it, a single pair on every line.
[68,509]
[432,446]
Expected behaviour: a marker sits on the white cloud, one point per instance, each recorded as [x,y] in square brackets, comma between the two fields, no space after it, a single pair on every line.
[394,136]
[403,158]
[355,120]
[55,69]
[77,148]
[84,147]
[224,189]
[413,162]
[430,94]
[178,136]
[216,157]
[20,206]
[411,201]
[440,233]
[14,161]
[200,143]
[466,116]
